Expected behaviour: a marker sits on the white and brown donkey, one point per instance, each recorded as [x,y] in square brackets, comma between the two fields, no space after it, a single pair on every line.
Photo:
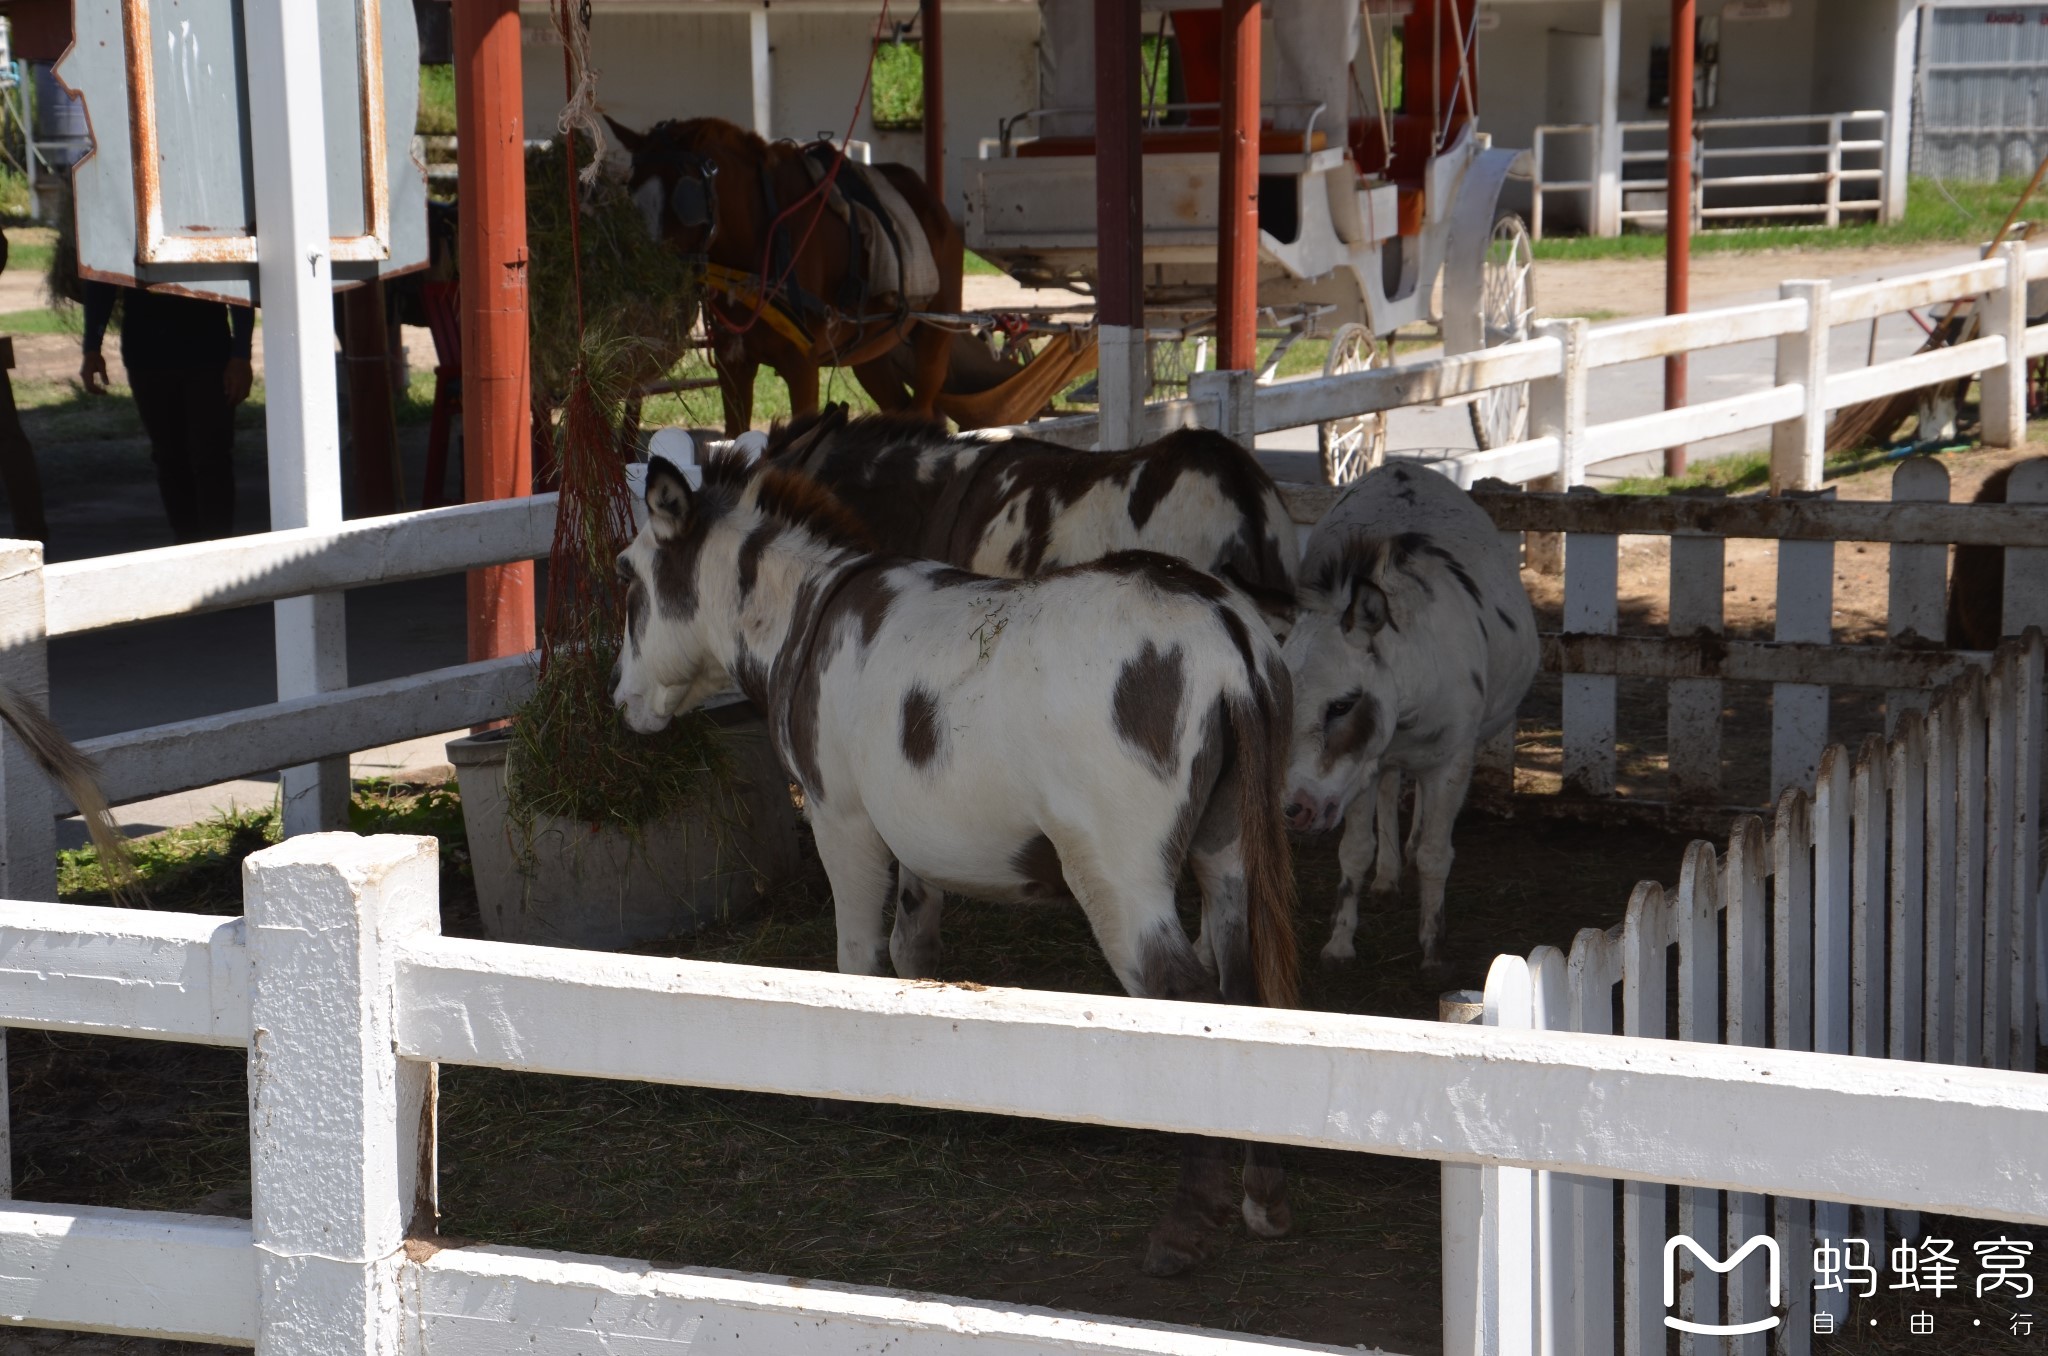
[1083,734]
[1414,642]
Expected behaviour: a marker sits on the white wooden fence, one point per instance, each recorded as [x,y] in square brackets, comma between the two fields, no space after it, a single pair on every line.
[346,996]
[1813,189]
[1896,912]
[39,603]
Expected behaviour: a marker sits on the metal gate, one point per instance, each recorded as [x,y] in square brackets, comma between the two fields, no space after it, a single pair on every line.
[1982,92]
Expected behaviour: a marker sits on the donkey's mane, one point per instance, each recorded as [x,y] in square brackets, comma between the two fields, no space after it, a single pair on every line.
[788,498]
[865,436]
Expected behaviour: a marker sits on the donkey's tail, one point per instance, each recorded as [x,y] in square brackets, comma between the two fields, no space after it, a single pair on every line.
[78,777]
[1260,726]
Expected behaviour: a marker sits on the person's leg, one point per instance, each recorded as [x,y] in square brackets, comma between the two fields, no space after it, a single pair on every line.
[211,420]
[160,399]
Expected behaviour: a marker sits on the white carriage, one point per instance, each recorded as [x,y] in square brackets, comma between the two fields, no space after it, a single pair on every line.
[1374,184]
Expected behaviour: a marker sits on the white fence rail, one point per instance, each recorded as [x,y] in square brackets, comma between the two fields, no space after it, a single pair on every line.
[348,996]
[1896,912]
[1558,363]
[39,603]
[1730,159]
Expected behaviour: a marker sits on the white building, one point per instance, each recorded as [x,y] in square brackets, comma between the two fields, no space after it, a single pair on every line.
[793,68]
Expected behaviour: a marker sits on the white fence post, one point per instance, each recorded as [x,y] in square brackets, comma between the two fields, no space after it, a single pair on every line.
[2026,567]
[1940,894]
[341,1128]
[1832,214]
[1557,1295]
[1832,876]
[1693,712]
[2003,389]
[2001,827]
[1917,611]
[1969,896]
[296,272]
[1510,1193]
[2029,956]
[1792,1022]
[1591,972]
[1557,409]
[1799,711]
[1643,989]
[1592,581]
[1799,446]
[1695,926]
[1906,994]
[1467,1297]
[1234,394]
[28,857]
[1747,974]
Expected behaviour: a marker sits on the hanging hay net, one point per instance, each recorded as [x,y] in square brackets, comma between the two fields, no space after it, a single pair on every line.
[610,307]
[632,284]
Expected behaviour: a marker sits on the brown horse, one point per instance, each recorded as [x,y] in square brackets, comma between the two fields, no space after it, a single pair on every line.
[711,188]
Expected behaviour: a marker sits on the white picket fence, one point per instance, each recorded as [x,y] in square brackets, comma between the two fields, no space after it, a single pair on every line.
[1896,913]
[346,996]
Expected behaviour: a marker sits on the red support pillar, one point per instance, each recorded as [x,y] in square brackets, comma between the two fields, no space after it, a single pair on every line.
[1237,244]
[491,189]
[1678,209]
[1119,222]
[933,51]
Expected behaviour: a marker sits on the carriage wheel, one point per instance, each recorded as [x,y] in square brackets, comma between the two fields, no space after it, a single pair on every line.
[1507,301]
[1357,443]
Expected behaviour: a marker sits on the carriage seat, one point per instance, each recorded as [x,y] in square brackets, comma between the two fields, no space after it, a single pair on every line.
[1176,141]
[1414,143]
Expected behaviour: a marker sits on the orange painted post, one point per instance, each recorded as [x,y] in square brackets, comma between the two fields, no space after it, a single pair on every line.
[1678,210]
[1237,246]
[491,190]
[934,54]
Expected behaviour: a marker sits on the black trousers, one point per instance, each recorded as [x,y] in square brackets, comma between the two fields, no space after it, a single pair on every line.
[191,430]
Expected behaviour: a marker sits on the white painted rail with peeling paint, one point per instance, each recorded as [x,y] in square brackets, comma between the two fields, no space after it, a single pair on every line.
[351,995]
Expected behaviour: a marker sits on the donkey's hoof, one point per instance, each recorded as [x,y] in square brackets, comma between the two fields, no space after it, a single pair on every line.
[1339,953]
[1176,1247]
[1268,1222]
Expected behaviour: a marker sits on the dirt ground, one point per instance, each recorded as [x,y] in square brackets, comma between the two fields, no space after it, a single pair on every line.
[1632,287]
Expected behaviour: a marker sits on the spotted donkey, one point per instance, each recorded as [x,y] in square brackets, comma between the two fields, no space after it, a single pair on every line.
[1081,734]
[1018,506]
[1414,642]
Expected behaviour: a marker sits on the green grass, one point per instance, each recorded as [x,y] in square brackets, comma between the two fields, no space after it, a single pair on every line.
[1965,214]
[29,256]
[437,102]
[45,321]
[1743,473]
[978,267]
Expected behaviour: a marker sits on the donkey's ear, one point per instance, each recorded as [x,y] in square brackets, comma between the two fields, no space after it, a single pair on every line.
[633,141]
[668,496]
[1365,611]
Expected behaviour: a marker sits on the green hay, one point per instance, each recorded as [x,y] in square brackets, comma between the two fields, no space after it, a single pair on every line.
[632,285]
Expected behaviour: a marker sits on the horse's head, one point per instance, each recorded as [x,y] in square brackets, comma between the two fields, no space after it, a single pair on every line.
[674,179]
[1346,701]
